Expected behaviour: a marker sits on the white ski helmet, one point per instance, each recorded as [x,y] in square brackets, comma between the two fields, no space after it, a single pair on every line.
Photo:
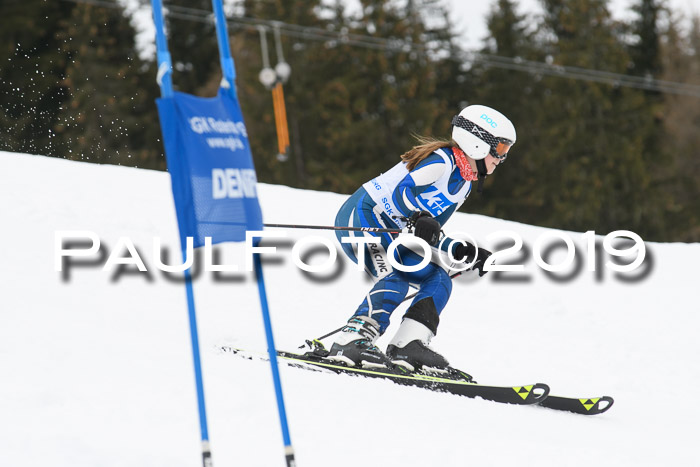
[480,131]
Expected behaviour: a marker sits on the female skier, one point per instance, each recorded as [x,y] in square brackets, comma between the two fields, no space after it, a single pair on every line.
[421,192]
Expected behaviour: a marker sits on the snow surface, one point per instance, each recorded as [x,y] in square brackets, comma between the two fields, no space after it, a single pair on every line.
[96,370]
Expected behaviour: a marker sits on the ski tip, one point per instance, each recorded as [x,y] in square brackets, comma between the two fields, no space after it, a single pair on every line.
[581,406]
[602,405]
[594,405]
[540,391]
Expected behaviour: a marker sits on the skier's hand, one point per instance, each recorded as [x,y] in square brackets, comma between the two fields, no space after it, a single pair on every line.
[481,258]
[426,227]
[467,251]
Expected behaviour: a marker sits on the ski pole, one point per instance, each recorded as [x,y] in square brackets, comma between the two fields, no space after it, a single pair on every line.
[333,227]
[409,221]
[341,327]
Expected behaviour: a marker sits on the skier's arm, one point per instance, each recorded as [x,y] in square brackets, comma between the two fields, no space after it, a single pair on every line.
[415,182]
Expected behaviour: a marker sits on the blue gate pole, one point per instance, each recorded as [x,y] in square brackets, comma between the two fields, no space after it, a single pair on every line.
[228,83]
[227,67]
[166,88]
[199,381]
[165,67]
[271,350]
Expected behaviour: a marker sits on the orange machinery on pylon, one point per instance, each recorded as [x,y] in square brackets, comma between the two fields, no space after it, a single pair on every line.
[281,120]
[273,80]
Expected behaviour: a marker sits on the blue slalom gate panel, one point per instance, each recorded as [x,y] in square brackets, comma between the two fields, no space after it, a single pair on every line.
[211,167]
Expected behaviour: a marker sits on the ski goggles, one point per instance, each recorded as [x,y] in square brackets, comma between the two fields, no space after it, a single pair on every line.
[499,147]
[501,150]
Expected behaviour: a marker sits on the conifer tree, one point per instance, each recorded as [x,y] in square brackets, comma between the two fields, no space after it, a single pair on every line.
[517,94]
[351,109]
[645,61]
[256,100]
[109,116]
[646,51]
[32,67]
[192,44]
[591,153]
[681,120]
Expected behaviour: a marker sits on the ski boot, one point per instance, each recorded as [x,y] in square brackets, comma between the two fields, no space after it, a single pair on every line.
[409,348]
[355,344]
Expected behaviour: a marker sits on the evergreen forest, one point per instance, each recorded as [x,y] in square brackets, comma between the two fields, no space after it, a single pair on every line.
[594,151]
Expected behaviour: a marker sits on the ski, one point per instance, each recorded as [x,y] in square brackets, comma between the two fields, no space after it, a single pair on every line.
[451,383]
[582,406]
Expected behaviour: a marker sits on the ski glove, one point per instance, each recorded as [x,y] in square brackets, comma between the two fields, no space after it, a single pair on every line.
[425,227]
[467,251]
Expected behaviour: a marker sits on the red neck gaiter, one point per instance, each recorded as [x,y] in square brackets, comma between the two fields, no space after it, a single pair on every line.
[465,168]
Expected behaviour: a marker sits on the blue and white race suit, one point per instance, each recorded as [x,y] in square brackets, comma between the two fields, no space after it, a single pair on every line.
[434,185]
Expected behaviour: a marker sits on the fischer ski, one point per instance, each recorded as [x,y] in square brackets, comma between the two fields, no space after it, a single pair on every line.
[454,382]
[584,406]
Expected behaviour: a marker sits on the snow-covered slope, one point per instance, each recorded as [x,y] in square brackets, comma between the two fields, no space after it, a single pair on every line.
[95,368]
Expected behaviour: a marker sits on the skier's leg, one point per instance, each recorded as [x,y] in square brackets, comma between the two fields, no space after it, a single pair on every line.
[358,211]
[409,347]
[355,343]
[387,294]
[434,283]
